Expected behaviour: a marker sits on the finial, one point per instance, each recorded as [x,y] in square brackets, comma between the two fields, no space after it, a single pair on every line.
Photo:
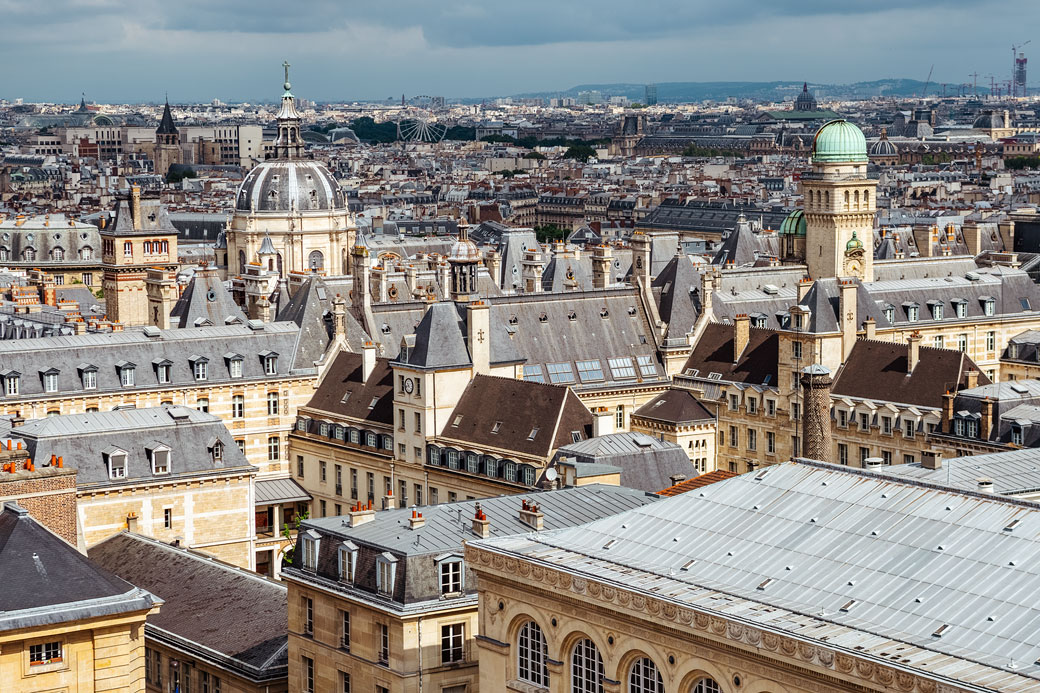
[286,65]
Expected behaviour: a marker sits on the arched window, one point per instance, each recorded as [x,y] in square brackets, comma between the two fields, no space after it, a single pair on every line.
[846,200]
[644,677]
[29,254]
[856,198]
[147,247]
[241,261]
[316,260]
[586,668]
[531,655]
[58,254]
[866,198]
[86,253]
[706,685]
[827,197]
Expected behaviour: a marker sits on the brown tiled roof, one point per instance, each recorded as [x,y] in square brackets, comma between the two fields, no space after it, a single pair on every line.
[697,482]
[345,376]
[757,363]
[518,407]
[877,370]
[674,406]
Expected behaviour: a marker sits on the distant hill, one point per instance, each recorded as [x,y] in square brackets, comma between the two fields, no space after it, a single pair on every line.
[686,92]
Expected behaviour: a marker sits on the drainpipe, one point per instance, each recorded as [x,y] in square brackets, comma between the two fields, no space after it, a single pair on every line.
[420,653]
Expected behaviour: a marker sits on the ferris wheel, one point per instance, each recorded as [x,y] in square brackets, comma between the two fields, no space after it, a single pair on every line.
[418,123]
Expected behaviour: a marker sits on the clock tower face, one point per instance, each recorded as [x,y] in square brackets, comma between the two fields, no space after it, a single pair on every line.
[409,385]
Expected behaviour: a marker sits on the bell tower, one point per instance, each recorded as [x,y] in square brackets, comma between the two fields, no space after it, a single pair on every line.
[839,205]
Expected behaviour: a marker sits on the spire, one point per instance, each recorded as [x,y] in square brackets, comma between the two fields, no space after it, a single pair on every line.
[289,145]
[83,104]
[166,125]
[805,87]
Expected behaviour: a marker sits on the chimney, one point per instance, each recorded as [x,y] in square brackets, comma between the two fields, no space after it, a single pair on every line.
[677,478]
[985,484]
[913,351]
[532,516]
[602,422]
[135,205]
[131,522]
[389,503]
[339,317]
[481,525]
[931,459]
[445,275]
[416,520]
[971,379]
[368,360]
[972,238]
[872,462]
[741,335]
[411,280]
[804,284]
[870,328]
[816,413]
[847,312]
[478,324]
[360,513]
[946,418]
[986,424]
[602,260]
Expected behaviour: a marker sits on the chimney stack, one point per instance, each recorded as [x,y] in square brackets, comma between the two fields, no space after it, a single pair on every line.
[360,513]
[971,378]
[135,205]
[847,312]
[481,525]
[602,422]
[914,351]
[986,424]
[602,260]
[816,413]
[741,335]
[368,360]
[478,338]
[870,328]
[677,478]
[931,459]
[804,284]
[416,520]
[946,418]
[531,515]
[388,500]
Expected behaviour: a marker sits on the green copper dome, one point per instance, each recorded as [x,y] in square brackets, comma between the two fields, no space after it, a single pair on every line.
[854,243]
[839,141]
[794,224]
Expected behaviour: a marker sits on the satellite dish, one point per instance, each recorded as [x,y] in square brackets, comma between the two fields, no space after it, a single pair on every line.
[550,474]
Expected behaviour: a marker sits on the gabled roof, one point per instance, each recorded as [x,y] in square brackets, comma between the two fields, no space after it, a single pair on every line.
[343,392]
[47,581]
[676,407]
[877,370]
[757,363]
[206,301]
[439,339]
[209,607]
[676,304]
[502,413]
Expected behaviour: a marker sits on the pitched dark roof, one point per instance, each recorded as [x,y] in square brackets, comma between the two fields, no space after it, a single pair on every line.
[439,339]
[697,482]
[714,354]
[344,382]
[209,606]
[517,407]
[877,370]
[674,406]
[166,126]
[206,301]
[40,571]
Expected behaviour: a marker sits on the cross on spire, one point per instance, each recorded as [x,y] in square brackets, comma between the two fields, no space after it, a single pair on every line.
[286,65]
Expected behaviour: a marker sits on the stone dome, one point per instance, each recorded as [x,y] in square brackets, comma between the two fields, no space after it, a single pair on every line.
[464,250]
[289,185]
[839,141]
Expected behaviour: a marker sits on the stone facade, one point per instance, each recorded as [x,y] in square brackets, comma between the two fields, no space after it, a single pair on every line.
[48,493]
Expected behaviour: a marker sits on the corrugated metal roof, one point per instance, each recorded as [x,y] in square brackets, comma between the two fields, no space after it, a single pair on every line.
[911,558]
[1013,472]
[269,491]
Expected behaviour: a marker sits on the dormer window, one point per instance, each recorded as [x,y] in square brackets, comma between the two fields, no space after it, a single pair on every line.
[234,362]
[159,455]
[1016,434]
[890,314]
[88,375]
[961,306]
[937,310]
[162,370]
[309,543]
[127,372]
[348,552]
[911,311]
[449,568]
[1012,350]
[50,380]
[200,367]
[12,382]
[270,362]
[989,306]
[218,451]
[116,461]
[386,573]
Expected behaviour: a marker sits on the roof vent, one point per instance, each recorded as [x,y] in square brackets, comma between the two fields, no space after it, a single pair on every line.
[940,630]
[985,484]
[771,289]
[151,331]
[256,325]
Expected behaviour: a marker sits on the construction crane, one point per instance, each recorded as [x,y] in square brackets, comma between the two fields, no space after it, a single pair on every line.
[975,82]
[927,82]
[1013,91]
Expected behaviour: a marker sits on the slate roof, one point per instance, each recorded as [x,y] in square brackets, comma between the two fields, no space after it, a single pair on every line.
[517,407]
[209,607]
[205,301]
[645,462]
[311,308]
[47,581]
[877,370]
[74,353]
[675,407]
[439,340]
[166,126]
[342,391]
[864,560]
[696,482]
[676,304]
[83,440]
[714,354]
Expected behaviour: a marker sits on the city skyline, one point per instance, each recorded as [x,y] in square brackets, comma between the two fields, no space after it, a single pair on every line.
[119,52]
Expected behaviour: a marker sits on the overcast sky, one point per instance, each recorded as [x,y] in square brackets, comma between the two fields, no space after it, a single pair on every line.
[120,51]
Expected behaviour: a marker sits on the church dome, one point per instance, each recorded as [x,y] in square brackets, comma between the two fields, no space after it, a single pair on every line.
[854,243]
[990,120]
[839,141]
[884,147]
[464,250]
[281,185]
[805,101]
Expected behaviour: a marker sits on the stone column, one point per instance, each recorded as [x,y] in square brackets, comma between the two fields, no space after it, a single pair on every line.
[816,413]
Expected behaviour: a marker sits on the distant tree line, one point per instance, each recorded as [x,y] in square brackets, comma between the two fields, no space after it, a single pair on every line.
[1017,163]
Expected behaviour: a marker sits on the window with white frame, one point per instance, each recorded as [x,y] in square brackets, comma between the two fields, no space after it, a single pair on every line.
[202,404]
[344,630]
[201,369]
[991,341]
[271,364]
[310,541]
[619,417]
[307,609]
[706,685]
[911,312]
[452,639]
[274,449]
[308,675]
[1016,434]
[864,421]
[235,367]
[12,384]
[117,464]
[50,381]
[962,342]
[989,306]
[796,350]
[44,653]
[532,654]
[386,573]
[272,404]
[451,576]
[909,427]
[348,553]
[90,379]
[621,367]
[586,668]
[126,376]
[962,309]
[643,677]
[238,406]
[160,460]
[843,418]
[886,425]
[937,341]
[937,311]
[734,402]
[384,644]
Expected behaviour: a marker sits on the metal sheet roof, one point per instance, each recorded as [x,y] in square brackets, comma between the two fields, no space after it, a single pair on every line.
[269,491]
[910,558]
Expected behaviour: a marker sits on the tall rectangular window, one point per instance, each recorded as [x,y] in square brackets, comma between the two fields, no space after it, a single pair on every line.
[384,644]
[272,404]
[771,442]
[991,341]
[238,406]
[344,682]
[451,643]
[344,635]
[451,577]
[962,342]
[307,607]
[843,453]
[308,675]
[273,449]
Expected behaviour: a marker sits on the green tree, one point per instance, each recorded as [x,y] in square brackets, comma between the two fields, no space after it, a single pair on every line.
[549,232]
[581,152]
[291,534]
[535,155]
